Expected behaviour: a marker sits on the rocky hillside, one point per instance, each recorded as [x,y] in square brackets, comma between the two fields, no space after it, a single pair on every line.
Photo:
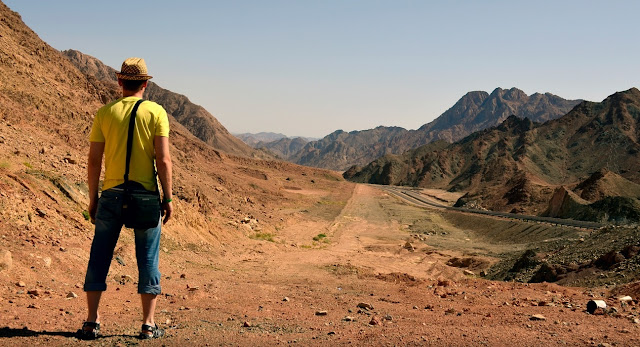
[518,164]
[474,111]
[46,110]
[194,117]
[265,137]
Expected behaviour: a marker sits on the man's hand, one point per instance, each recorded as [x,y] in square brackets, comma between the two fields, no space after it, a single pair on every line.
[167,210]
[93,208]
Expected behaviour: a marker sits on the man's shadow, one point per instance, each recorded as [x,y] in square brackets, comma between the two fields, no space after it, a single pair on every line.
[26,332]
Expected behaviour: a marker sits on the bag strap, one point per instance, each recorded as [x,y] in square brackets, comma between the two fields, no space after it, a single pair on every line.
[132,125]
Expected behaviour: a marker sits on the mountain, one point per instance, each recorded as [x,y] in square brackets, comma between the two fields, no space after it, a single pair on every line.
[474,111]
[518,164]
[194,117]
[283,148]
[253,139]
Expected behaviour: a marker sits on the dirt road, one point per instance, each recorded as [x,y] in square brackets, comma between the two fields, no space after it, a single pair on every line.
[358,283]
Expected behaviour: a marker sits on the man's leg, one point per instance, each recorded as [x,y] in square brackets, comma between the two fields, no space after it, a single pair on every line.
[147,254]
[106,235]
[148,308]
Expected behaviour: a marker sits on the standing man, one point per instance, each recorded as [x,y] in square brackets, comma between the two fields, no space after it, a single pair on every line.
[150,141]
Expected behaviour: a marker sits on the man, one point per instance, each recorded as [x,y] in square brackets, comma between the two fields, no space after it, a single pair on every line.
[109,137]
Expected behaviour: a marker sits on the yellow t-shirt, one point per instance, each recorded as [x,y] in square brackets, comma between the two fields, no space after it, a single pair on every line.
[111,125]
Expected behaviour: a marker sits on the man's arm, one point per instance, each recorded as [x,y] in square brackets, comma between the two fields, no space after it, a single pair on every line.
[163,163]
[96,149]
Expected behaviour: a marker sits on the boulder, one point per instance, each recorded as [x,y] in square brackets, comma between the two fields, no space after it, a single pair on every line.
[6,261]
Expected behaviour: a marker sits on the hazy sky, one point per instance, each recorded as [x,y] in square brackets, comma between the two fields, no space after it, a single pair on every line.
[308,68]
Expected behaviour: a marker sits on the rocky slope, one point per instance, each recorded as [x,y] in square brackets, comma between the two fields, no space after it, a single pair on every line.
[517,165]
[283,148]
[194,117]
[46,109]
[474,111]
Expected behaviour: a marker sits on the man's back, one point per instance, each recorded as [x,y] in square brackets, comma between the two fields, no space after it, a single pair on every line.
[111,125]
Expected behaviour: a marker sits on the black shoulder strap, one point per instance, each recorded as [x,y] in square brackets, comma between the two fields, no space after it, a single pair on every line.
[132,125]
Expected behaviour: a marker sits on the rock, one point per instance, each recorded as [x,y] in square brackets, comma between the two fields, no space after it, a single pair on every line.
[33,306]
[537,317]
[321,313]
[483,273]
[120,260]
[183,276]
[34,292]
[626,298]
[469,273]
[365,306]
[47,261]
[635,320]
[388,317]
[72,295]
[408,246]
[247,324]
[124,279]
[21,284]
[41,213]
[348,319]
[375,320]
[285,299]
[6,261]
[331,333]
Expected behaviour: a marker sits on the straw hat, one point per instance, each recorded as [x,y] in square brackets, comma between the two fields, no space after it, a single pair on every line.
[133,69]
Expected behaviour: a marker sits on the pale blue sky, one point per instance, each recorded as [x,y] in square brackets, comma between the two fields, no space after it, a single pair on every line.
[308,68]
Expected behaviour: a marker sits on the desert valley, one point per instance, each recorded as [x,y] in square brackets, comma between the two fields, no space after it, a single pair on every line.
[310,242]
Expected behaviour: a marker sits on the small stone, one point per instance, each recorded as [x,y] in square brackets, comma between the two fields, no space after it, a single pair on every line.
[72,295]
[450,311]
[6,261]
[321,313]
[625,298]
[47,261]
[41,213]
[183,276]
[124,279]
[365,306]
[285,299]
[375,320]
[408,246]
[33,306]
[469,273]
[415,307]
[62,249]
[34,292]
[636,320]
[120,260]
[246,324]
[348,319]
[331,333]
[21,284]
[537,317]
[388,317]
[164,249]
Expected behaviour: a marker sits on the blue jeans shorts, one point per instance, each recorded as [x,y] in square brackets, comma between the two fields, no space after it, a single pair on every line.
[108,226]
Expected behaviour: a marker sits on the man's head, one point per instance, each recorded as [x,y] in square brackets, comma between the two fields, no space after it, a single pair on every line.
[133,75]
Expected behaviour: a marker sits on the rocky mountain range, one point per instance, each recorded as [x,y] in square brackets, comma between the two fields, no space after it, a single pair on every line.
[518,165]
[194,117]
[474,111]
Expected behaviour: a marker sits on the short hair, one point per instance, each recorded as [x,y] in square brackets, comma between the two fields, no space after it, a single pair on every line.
[132,85]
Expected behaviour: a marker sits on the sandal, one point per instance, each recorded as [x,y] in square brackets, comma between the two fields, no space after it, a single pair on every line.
[151,332]
[89,331]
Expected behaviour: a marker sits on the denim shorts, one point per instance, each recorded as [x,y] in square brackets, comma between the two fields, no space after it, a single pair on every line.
[108,226]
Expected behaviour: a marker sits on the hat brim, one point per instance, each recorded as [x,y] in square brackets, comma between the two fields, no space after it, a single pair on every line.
[133,77]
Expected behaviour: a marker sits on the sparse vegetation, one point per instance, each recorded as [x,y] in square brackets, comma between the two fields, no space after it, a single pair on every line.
[319,237]
[4,165]
[27,164]
[85,214]
[263,236]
